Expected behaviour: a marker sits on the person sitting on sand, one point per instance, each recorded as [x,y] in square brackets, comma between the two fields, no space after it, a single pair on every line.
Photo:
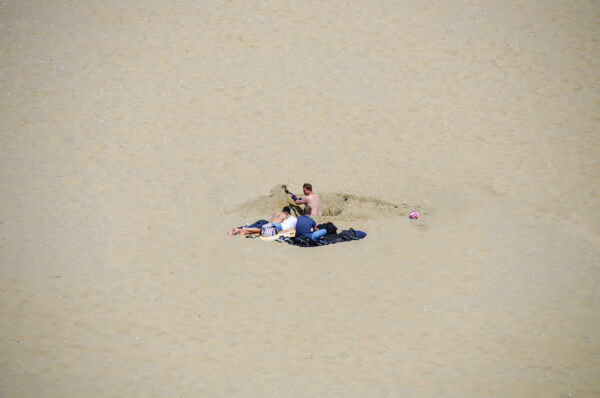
[277,218]
[311,201]
[307,227]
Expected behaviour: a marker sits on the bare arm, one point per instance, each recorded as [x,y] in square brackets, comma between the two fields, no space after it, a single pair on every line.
[301,201]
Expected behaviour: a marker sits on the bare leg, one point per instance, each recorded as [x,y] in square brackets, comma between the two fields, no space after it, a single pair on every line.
[250,231]
[237,231]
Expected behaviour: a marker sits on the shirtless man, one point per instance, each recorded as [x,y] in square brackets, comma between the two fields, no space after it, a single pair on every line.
[311,201]
[255,227]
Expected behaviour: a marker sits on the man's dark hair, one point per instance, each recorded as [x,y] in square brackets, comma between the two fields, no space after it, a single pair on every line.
[287,210]
[307,186]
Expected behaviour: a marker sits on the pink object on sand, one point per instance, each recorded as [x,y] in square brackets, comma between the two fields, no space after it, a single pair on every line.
[413,215]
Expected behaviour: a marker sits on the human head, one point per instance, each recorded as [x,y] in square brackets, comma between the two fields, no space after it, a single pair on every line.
[307,188]
[287,210]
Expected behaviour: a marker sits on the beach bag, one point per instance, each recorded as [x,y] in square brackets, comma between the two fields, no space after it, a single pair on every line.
[268,230]
[331,229]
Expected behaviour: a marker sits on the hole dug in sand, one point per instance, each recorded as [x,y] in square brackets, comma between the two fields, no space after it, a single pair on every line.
[335,206]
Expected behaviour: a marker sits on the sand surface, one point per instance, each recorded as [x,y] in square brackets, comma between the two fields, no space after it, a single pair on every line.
[134,134]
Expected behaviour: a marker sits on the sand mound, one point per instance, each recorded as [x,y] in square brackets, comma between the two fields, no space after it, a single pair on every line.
[335,206]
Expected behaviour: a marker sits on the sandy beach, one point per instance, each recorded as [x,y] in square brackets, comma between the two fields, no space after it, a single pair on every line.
[133,135]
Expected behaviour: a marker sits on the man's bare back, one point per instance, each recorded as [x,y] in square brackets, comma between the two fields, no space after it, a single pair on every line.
[279,217]
[311,202]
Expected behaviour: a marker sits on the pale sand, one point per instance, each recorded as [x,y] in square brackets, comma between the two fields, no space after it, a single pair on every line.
[133,136]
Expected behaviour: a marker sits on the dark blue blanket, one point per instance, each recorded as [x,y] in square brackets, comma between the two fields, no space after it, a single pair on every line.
[329,239]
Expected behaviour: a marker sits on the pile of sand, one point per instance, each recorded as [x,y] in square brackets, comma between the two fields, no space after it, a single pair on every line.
[335,206]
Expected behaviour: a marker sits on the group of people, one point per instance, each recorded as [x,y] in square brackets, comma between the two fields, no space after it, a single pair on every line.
[283,220]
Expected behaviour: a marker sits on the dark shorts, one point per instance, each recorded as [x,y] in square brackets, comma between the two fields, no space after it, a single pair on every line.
[257,224]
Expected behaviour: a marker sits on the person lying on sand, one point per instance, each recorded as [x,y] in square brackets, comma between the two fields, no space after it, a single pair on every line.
[286,225]
[277,218]
[311,201]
